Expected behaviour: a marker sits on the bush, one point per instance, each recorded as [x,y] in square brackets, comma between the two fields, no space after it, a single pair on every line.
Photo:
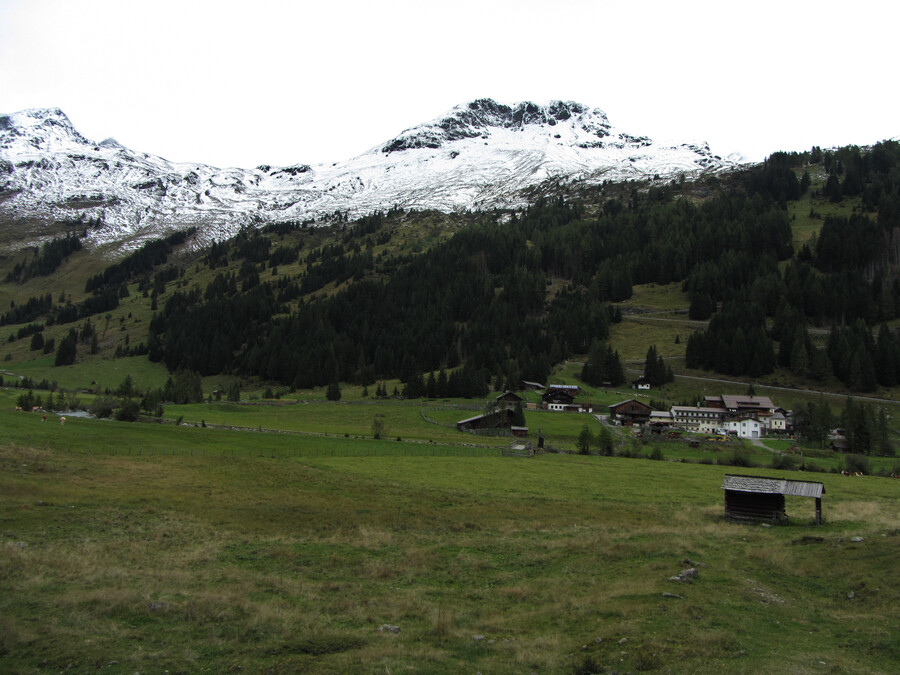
[377,428]
[656,454]
[739,457]
[785,462]
[103,406]
[856,464]
[129,411]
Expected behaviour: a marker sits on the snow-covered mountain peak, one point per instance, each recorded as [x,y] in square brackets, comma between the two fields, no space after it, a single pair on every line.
[37,130]
[480,118]
[478,155]
[111,143]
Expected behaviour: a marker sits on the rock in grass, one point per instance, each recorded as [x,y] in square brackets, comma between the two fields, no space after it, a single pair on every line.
[388,628]
[687,576]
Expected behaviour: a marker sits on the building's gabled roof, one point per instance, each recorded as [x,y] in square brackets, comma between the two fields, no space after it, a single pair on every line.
[472,419]
[778,486]
[692,409]
[743,402]
[630,400]
[510,396]
[741,420]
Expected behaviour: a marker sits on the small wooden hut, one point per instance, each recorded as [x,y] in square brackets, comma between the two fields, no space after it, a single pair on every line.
[757,498]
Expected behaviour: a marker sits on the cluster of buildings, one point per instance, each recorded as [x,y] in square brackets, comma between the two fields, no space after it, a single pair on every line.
[745,416]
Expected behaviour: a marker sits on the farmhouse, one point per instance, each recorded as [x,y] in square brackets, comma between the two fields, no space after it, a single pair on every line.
[704,420]
[660,421]
[499,419]
[742,416]
[630,412]
[778,421]
[746,427]
[508,399]
[640,383]
[746,404]
[525,385]
[560,397]
[840,443]
[757,498]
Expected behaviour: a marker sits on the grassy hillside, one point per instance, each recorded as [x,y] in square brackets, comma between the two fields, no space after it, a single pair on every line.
[655,314]
[432,564]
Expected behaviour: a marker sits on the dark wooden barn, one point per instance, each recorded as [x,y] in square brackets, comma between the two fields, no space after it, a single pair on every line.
[630,412]
[499,419]
[761,499]
[508,399]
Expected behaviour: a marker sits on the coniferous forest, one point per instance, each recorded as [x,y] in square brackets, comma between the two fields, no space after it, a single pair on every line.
[512,298]
[510,295]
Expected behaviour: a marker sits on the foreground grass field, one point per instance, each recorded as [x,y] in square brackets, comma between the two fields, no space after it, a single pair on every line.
[278,563]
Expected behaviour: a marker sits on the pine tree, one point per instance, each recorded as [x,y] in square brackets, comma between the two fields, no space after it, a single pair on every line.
[334,391]
[883,444]
[650,366]
[68,349]
[518,419]
[604,441]
[615,371]
[799,359]
[585,440]
[804,182]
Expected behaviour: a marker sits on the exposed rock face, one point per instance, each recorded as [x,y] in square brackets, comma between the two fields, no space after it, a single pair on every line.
[479,155]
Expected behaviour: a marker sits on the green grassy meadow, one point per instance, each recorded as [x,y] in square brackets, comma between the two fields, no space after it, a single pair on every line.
[279,536]
[156,547]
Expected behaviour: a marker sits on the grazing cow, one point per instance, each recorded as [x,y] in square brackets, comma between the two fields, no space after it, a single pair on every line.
[18,408]
[43,418]
[62,420]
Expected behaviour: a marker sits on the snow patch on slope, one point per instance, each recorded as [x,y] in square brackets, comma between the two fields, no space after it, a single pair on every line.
[479,155]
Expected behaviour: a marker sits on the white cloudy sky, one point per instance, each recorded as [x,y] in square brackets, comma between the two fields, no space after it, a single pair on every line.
[283,82]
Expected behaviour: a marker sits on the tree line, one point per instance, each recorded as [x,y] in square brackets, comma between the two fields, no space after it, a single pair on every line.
[506,299]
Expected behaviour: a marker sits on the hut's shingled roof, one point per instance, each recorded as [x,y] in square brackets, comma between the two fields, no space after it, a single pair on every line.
[791,488]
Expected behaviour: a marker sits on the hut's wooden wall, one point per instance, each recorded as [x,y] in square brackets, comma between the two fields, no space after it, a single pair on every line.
[754,506]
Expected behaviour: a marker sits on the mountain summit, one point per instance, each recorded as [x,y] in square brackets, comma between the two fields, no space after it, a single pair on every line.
[38,130]
[479,118]
[478,155]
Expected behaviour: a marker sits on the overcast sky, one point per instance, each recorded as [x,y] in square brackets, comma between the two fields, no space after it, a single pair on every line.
[246,83]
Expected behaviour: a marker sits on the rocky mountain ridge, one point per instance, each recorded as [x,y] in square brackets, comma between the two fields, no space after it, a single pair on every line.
[480,155]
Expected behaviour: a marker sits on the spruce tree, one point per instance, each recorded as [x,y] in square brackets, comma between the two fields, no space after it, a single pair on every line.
[68,349]
[585,440]
[518,419]
[334,391]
